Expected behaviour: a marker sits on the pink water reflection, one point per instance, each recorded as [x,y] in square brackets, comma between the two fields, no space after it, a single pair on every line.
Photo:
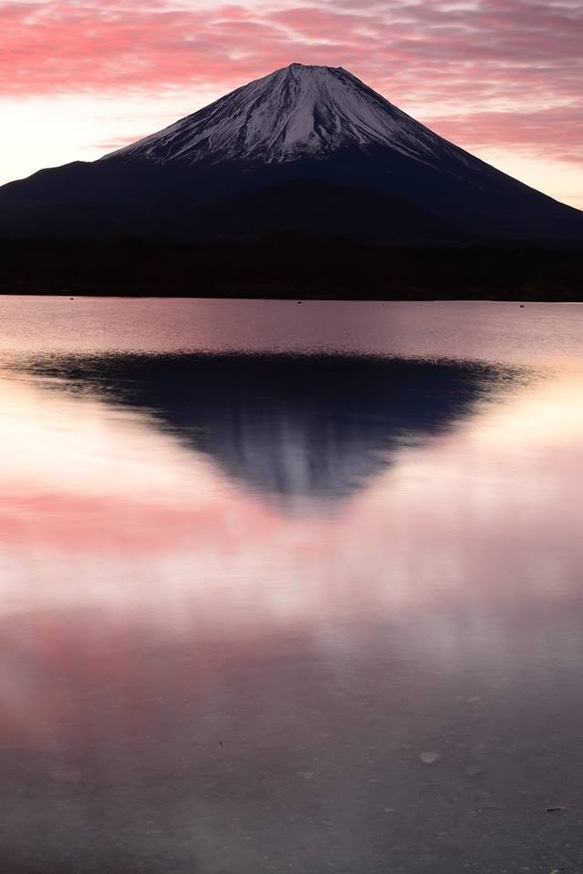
[208,677]
[156,533]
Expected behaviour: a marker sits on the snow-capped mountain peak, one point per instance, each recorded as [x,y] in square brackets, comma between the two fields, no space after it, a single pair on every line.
[295,112]
[307,148]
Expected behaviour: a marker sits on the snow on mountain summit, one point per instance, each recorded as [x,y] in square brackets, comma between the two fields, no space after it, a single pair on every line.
[295,112]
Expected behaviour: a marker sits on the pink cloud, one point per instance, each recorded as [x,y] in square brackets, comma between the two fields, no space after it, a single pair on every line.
[556,132]
[499,58]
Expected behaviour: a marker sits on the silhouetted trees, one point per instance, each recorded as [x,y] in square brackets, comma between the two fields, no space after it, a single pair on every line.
[288,266]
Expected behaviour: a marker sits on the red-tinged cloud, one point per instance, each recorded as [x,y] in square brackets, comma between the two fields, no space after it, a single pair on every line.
[536,130]
[501,73]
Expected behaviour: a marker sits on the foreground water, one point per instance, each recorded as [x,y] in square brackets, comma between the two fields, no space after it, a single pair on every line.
[315,608]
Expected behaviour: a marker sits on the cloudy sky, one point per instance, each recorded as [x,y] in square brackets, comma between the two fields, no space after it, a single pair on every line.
[501,78]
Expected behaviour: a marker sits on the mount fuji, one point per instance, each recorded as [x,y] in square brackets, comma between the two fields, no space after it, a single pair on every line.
[307,149]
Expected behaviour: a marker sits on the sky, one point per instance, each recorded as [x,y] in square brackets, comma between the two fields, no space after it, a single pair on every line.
[501,78]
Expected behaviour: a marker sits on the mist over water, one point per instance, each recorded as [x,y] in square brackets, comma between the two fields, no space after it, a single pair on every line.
[258,560]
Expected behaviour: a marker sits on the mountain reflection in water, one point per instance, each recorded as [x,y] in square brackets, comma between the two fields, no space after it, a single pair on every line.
[292,426]
[196,680]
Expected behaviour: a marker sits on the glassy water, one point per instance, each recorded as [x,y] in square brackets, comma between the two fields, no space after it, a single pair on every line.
[290,587]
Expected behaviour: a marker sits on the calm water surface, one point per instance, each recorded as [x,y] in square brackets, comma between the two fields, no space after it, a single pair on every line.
[290,588]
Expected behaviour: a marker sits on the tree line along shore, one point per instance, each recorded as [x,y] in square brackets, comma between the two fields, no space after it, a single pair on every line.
[286,267]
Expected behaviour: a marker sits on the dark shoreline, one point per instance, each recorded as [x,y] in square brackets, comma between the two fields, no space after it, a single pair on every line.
[287,267]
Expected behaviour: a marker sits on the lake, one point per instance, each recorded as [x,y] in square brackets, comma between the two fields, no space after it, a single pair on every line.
[290,587]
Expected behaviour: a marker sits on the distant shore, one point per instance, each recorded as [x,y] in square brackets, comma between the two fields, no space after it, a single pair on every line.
[288,267]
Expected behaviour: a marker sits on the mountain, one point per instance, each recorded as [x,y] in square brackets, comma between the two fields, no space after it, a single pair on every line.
[306,149]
